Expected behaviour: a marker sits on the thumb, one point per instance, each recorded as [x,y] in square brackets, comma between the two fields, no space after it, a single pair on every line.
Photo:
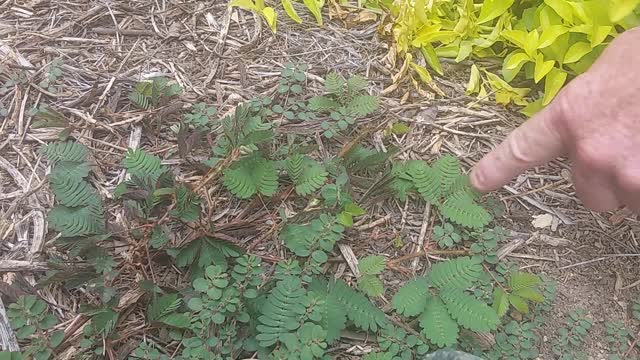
[534,143]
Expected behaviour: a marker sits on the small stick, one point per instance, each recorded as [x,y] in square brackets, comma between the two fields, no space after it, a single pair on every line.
[432,252]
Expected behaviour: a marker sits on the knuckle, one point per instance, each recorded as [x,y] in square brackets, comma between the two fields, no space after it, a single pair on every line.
[517,144]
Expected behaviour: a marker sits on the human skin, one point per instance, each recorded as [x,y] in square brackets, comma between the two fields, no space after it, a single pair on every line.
[594,121]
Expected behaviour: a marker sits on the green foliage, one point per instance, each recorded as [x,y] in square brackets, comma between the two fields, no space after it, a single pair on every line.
[244,130]
[201,115]
[523,287]
[617,338]
[570,337]
[411,298]
[486,244]
[307,174]
[30,320]
[79,209]
[444,186]
[251,175]
[202,252]
[437,324]
[152,94]
[459,273]
[446,236]
[395,343]
[368,282]
[187,204]
[442,303]
[141,164]
[313,240]
[539,41]
[516,341]
[345,101]
[281,313]
[53,72]
[359,310]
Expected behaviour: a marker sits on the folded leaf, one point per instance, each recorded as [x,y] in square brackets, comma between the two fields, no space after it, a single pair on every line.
[288,8]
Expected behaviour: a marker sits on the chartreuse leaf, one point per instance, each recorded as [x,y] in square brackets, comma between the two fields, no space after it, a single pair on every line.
[519,303]
[491,9]
[244,4]
[552,85]
[314,8]
[430,56]
[599,34]
[550,34]
[619,9]
[542,67]
[291,11]
[521,280]
[576,52]
[562,8]
[270,15]
[473,86]
[516,60]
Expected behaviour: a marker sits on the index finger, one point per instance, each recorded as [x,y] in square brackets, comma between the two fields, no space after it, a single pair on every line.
[538,141]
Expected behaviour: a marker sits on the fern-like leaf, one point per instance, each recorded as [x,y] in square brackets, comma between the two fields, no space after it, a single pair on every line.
[363,105]
[334,315]
[459,273]
[371,265]
[461,185]
[529,294]
[163,306]
[72,170]
[323,103]
[141,95]
[140,163]
[448,168]
[402,183]
[370,285]
[250,175]
[521,280]
[77,221]
[295,166]
[427,182]
[281,312]
[411,299]
[461,209]
[356,83]
[333,83]
[359,309]
[306,173]
[500,302]
[187,204]
[437,325]
[65,151]
[72,193]
[470,312]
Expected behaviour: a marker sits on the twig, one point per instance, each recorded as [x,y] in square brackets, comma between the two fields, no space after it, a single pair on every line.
[423,232]
[125,32]
[597,259]
[432,252]
[7,336]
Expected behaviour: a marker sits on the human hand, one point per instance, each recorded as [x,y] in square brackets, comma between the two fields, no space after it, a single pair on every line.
[595,121]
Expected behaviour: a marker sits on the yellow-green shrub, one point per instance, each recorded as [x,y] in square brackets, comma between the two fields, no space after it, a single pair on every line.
[269,14]
[546,41]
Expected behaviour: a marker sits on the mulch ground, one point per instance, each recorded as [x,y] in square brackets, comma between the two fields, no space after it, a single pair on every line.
[223,56]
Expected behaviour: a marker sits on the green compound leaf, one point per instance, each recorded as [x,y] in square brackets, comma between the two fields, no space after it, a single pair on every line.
[281,311]
[427,181]
[77,221]
[411,299]
[141,164]
[371,265]
[459,273]
[437,325]
[500,301]
[370,285]
[65,151]
[521,280]
[448,169]
[462,209]
[359,309]
[470,312]
[250,175]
